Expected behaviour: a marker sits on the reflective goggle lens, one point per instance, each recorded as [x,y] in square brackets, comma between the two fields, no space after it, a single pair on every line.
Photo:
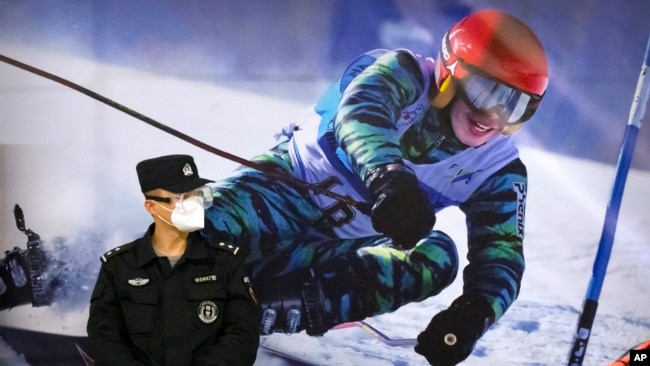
[202,196]
[488,94]
[188,201]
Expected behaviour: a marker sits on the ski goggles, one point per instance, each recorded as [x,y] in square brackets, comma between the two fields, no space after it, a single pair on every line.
[487,94]
[188,200]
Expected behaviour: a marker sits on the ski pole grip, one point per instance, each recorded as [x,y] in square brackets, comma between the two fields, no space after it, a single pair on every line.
[450,339]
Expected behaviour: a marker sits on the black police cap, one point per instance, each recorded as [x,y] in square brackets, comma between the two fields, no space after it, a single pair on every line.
[173,173]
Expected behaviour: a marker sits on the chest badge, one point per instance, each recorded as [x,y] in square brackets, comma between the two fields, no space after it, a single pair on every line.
[138,282]
[208,311]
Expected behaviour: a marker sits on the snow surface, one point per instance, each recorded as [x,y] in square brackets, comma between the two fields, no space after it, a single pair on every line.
[69,162]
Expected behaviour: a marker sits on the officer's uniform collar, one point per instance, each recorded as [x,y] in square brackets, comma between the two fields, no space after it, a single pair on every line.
[194,250]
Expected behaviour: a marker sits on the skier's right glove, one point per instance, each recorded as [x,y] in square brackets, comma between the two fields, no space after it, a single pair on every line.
[401,209]
[451,335]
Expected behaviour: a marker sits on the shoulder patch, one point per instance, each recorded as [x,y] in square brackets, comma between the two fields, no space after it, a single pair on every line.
[227,247]
[115,251]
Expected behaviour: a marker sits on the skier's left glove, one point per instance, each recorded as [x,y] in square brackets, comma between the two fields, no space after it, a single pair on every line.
[401,209]
[451,335]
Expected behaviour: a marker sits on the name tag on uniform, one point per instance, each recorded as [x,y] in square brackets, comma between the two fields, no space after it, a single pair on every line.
[210,278]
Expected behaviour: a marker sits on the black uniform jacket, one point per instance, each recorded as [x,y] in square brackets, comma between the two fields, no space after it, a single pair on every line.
[200,312]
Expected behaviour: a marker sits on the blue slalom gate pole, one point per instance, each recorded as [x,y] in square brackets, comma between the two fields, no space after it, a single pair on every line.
[590,304]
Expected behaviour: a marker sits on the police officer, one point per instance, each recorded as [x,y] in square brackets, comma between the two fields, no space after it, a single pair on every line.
[175,296]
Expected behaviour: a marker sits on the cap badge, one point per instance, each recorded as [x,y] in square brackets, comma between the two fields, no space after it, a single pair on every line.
[187,170]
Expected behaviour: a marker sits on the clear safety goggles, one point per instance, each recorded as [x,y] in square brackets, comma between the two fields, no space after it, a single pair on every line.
[188,200]
[490,95]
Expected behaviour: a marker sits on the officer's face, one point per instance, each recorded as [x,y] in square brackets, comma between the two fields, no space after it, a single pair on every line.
[474,127]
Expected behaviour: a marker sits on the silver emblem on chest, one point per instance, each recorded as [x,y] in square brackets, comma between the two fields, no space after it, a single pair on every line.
[138,282]
[208,311]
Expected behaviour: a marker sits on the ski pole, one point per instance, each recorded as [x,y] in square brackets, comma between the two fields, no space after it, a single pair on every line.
[316,188]
[379,335]
[590,304]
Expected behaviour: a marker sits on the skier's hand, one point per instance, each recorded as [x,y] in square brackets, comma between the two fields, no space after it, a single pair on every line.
[451,335]
[401,209]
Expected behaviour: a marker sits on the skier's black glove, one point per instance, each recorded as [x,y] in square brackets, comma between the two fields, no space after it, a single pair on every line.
[451,335]
[401,209]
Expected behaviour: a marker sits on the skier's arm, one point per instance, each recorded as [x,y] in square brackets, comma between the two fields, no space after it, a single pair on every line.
[238,339]
[365,124]
[367,132]
[495,217]
[495,224]
[106,328]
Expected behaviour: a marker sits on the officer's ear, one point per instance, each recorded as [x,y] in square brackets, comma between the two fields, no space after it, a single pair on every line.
[149,206]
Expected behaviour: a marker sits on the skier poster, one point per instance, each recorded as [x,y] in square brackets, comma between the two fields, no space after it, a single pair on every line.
[242,78]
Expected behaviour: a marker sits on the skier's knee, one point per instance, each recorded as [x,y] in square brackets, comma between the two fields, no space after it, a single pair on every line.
[438,253]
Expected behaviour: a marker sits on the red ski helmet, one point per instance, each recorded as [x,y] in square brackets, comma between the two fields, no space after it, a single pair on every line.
[497,59]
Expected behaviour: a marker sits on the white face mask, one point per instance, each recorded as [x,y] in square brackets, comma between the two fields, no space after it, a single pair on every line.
[187,220]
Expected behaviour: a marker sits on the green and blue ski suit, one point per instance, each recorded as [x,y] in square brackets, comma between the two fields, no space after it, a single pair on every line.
[379,112]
